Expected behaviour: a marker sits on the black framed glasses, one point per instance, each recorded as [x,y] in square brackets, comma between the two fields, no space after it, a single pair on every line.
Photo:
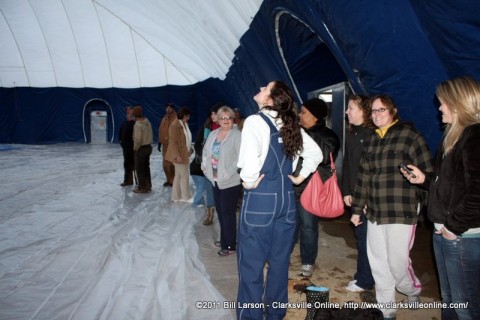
[379,110]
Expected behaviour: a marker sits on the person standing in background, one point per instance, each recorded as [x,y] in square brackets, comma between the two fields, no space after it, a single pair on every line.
[179,151]
[272,141]
[213,123]
[126,141]
[142,147]
[360,130]
[312,120]
[210,124]
[239,120]
[219,163]
[392,205]
[167,120]
[203,188]
[454,198]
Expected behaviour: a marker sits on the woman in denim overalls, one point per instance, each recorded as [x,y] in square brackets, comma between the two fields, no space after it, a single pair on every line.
[272,140]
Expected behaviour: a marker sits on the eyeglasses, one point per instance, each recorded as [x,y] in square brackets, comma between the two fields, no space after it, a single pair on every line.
[226,118]
[380,110]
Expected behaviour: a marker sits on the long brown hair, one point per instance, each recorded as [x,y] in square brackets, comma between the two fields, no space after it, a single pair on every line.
[283,103]
[365,105]
[462,97]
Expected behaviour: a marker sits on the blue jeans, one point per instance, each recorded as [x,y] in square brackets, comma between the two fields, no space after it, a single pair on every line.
[458,264]
[307,230]
[364,273]
[202,187]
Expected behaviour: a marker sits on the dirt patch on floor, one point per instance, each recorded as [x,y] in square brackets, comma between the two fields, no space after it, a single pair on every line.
[335,267]
[336,264]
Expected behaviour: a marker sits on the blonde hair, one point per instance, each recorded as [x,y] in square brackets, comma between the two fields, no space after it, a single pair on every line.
[462,97]
[226,109]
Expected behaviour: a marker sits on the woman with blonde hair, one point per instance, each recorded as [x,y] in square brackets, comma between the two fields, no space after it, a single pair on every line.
[454,198]
[219,164]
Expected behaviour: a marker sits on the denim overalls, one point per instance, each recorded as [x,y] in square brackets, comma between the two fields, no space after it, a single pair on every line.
[265,233]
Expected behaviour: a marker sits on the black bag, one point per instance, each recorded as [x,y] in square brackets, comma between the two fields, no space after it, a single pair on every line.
[348,314]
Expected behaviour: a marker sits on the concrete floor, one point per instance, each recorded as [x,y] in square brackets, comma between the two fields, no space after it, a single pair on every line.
[75,245]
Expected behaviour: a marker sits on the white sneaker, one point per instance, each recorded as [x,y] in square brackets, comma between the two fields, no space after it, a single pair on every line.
[352,282]
[307,270]
[413,302]
[352,287]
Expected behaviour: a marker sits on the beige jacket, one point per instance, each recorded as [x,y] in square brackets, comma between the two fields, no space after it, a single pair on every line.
[177,146]
[163,129]
[142,133]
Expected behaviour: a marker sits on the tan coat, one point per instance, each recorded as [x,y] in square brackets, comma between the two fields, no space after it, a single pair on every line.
[163,129]
[142,133]
[177,146]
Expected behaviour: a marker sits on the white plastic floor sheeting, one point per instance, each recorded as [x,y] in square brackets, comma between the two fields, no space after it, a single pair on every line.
[76,245]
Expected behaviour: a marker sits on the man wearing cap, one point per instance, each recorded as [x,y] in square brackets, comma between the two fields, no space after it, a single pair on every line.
[167,120]
[313,120]
[126,141]
[142,147]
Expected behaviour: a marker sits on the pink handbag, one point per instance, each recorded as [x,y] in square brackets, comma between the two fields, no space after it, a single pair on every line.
[324,200]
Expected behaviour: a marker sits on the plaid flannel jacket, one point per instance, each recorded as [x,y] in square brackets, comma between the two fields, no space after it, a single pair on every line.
[389,197]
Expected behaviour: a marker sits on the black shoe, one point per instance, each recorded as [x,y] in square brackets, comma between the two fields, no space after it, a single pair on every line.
[167,184]
[225,252]
[124,184]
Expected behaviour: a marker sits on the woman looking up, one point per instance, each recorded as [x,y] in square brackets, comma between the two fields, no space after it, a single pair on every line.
[272,141]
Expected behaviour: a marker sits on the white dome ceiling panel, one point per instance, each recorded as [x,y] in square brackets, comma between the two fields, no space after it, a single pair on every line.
[30,42]
[151,66]
[90,43]
[59,38]
[120,49]
[168,28]
[176,76]
[119,43]
[12,70]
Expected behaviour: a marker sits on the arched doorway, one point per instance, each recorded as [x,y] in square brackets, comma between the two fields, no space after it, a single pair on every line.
[98,121]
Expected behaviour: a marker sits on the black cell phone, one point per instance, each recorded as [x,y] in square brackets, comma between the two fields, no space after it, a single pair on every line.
[404,167]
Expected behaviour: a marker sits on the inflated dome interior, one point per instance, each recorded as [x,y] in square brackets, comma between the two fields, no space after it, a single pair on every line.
[62,59]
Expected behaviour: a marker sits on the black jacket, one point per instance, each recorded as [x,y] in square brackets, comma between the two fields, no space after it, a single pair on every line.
[454,196]
[195,165]
[328,142]
[355,142]
[126,134]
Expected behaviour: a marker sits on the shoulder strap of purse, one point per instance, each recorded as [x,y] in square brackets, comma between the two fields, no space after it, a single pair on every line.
[332,163]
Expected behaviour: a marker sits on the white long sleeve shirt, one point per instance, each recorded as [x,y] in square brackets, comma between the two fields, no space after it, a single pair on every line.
[255,144]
